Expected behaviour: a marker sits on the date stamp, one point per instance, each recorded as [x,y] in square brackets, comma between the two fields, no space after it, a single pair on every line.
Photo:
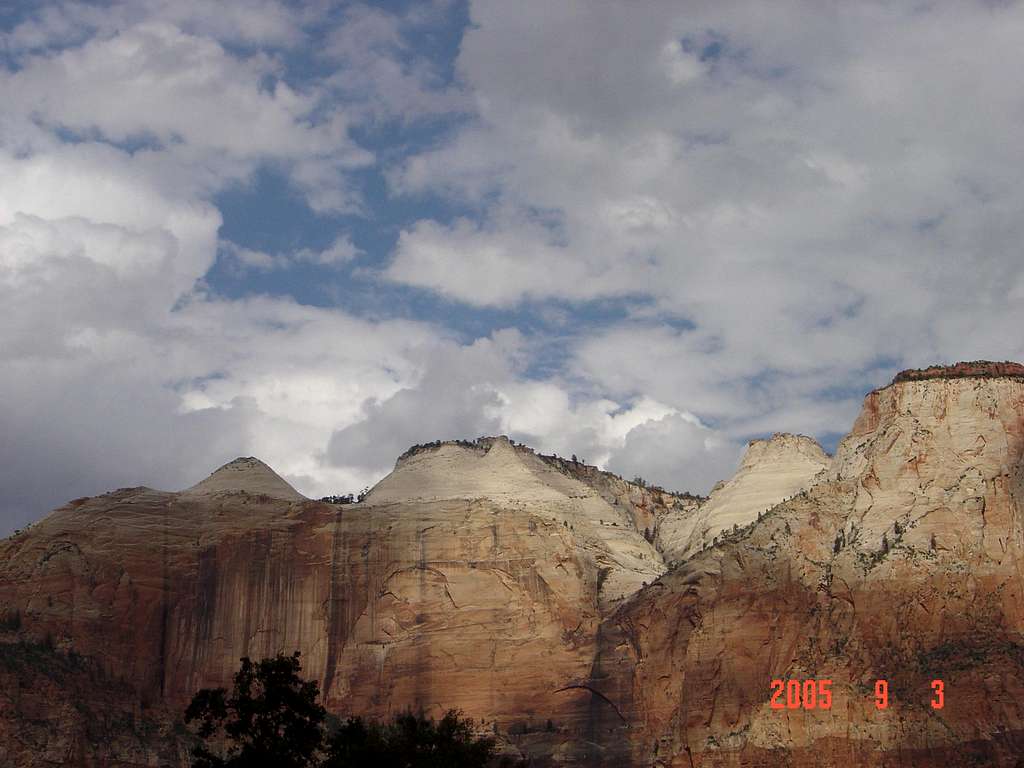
[817,694]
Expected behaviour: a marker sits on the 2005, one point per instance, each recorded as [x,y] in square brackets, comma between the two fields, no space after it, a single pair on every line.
[808,694]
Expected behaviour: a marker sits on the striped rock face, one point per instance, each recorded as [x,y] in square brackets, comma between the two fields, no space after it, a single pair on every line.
[771,471]
[475,576]
[524,589]
[244,475]
[899,568]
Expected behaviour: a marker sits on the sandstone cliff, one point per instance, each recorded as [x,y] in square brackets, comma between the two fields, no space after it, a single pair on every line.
[244,475]
[474,576]
[904,564]
[524,588]
[771,470]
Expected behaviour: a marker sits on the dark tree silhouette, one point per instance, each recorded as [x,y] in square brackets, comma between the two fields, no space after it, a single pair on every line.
[409,741]
[271,717]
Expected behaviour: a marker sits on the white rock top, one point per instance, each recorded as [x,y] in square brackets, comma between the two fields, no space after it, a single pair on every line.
[771,470]
[247,474]
[517,480]
[494,470]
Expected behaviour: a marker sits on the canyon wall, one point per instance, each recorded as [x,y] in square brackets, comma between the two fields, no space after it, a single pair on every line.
[903,564]
[474,576]
[584,619]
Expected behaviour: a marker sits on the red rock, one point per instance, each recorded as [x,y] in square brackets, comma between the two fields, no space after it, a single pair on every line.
[474,577]
[483,577]
[843,583]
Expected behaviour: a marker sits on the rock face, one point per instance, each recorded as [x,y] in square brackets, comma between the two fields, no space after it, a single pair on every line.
[904,564]
[475,576]
[771,470]
[524,589]
[246,474]
[604,520]
[976,369]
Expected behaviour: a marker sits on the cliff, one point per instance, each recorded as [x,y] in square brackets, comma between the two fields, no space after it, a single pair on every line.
[771,470]
[984,369]
[903,564]
[474,576]
[524,588]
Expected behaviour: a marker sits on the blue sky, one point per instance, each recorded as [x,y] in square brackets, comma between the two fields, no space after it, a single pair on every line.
[318,232]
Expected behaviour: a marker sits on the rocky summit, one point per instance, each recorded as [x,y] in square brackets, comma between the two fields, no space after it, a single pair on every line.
[245,475]
[584,619]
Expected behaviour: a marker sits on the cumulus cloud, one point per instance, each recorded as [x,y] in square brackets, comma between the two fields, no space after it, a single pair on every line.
[56,24]
[467,391]
[380,68]
[483,266]
[83,198]
[808,197]
[112,379]
[120,366]
[676,452]
[725,220]
[185,101]
[341,251]
[454,400]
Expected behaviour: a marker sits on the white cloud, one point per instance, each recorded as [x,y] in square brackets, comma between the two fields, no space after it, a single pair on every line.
[468,391]
[830,192]
[98,203]
[680,66]
[676,453]
[57,24]
[380,68]
[783,202]
[119,367]
[184,99]
[155,80]
[481,266]
[111,379]
[341,251]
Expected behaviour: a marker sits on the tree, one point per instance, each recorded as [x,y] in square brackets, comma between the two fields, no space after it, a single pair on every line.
[355,744]
[409,741]
[347,498]
[271,717]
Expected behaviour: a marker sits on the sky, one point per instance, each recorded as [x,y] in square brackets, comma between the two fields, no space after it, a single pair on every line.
[643,233]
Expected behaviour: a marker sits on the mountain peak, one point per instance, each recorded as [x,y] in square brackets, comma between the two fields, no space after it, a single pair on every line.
[783,443]
[772,469]
[248,474]
[485,467]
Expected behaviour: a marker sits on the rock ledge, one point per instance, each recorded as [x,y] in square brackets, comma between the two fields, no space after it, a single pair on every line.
[966,370]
